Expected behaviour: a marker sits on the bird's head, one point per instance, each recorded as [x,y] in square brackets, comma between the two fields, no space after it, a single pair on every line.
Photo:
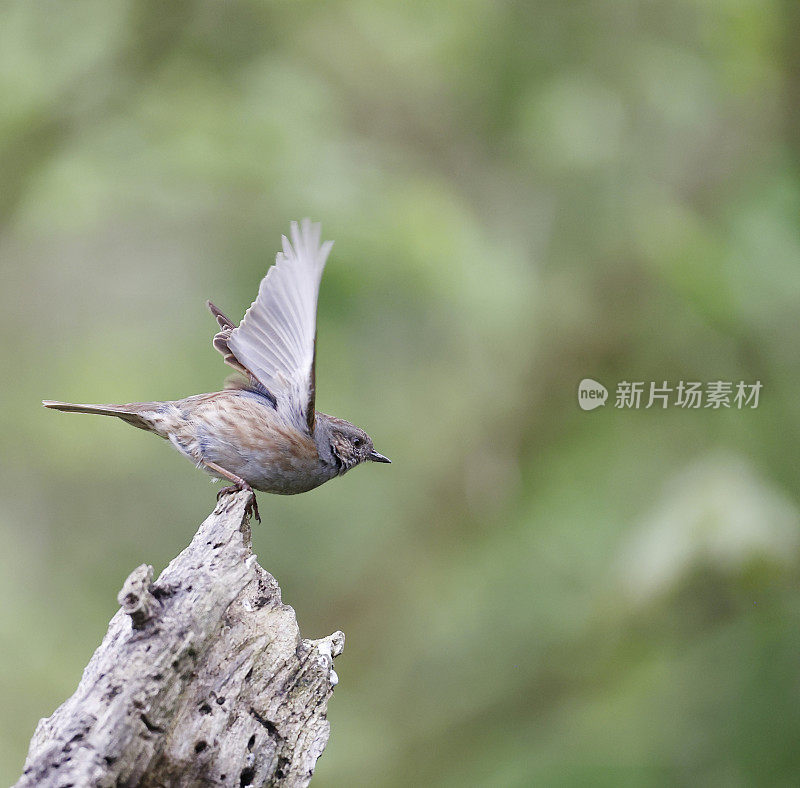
[349,444]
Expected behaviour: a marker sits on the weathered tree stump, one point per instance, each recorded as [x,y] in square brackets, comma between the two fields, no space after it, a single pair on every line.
[202,679]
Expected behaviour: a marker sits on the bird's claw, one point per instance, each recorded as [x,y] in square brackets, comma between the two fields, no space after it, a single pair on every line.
[252,507]
[252,504]
[232,488]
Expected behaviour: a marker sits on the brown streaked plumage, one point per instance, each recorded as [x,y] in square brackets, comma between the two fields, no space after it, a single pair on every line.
[262,431]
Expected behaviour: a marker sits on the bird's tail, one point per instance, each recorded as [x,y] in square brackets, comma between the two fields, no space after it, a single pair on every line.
[129,413]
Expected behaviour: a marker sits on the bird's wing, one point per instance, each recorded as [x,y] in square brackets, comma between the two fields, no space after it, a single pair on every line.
[275,342]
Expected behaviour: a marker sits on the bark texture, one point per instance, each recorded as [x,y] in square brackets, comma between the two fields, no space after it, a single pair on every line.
[202,679]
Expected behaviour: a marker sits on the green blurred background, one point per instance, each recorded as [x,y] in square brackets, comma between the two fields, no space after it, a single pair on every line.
[522,194]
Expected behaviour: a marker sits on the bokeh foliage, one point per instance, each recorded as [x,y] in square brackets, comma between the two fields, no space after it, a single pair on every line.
[522,194]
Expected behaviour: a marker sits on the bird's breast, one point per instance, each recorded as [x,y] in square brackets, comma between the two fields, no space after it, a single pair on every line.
[245,435]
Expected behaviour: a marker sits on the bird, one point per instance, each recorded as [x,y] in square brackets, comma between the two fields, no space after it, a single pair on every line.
[261,431]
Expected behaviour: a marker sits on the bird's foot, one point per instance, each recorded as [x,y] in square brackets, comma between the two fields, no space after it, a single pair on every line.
[231,488]
[252,504]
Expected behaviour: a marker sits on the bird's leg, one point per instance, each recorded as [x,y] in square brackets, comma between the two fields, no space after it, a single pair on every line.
[238,484]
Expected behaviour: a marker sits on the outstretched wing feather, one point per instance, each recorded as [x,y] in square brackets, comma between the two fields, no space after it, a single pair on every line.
[275,340]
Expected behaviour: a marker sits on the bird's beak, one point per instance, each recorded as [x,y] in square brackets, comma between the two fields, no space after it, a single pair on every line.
[375,457]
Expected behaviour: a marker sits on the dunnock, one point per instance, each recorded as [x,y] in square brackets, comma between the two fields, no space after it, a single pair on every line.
[262,432]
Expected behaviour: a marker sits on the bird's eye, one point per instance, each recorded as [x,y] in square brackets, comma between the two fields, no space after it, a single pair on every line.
[357,442]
